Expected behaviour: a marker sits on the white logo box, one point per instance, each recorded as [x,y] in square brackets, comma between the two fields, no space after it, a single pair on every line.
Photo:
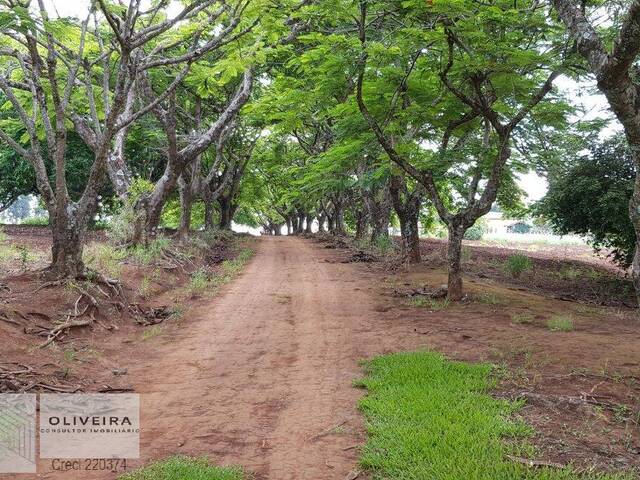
[89,426]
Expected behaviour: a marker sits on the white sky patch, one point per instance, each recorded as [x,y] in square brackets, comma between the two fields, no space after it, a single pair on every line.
[535,186]
[80,8]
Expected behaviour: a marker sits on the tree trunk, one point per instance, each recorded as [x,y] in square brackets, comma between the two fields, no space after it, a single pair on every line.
[410,234]
[331,224]
[67,246]
[634,214]
[321,219]
[209,210]
[379,208]
[362,223]
[454,253]
[226,213]
[309,224]
[186,204]
[407,207]
[338,219]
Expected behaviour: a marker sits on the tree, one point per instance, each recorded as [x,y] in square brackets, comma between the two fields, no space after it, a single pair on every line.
[494,66]
[590,196]
[615,67]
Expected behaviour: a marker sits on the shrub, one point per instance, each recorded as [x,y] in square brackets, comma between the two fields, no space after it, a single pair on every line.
[476,231]
[517,264]
[383,244]
[122,222]
[560,323]
[199,281]
[519,227]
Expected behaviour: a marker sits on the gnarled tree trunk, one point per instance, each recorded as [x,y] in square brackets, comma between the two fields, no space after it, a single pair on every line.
[454,262]
[407,206]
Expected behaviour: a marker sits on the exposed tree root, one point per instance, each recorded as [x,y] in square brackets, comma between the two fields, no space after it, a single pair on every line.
[20,378]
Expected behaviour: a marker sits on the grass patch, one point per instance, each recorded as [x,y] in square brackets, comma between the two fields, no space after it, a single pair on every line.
[148,254]
[560,323]
[184,468]
[522,318]
[105,258]
[489,299]
[37,221]
[20,254]
[198,282]
[151,332]
[202,280]
[383,244]
[430,303]
[430,418]
[517,264]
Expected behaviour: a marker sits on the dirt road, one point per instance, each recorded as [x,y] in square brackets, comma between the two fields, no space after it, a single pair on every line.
[261,374]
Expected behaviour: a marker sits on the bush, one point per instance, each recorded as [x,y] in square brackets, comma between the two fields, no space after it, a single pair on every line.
[383,244]
[590,196]
[122,222]
[476,231]
[517,264]
[519,227]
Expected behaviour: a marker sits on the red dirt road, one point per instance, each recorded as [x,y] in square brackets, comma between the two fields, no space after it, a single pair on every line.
[261,374]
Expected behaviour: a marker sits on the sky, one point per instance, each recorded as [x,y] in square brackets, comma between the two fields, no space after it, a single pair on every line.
[595,105]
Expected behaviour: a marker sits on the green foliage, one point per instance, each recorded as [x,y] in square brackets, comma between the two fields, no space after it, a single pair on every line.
[35,221]
[519,227]
[184,468]
[384,244]
[517,264]
[590,196]
[123,220]
[199,281]
[430,418]
[476,231]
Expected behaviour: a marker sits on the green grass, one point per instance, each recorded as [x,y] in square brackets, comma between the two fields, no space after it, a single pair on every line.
[151,252]
[105,258]
[522,318]
[430,303]
[517,264]
[198,282]
[150,333]
[489,299]
[433,419]
[184,468]
[560,323]
[37,221]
